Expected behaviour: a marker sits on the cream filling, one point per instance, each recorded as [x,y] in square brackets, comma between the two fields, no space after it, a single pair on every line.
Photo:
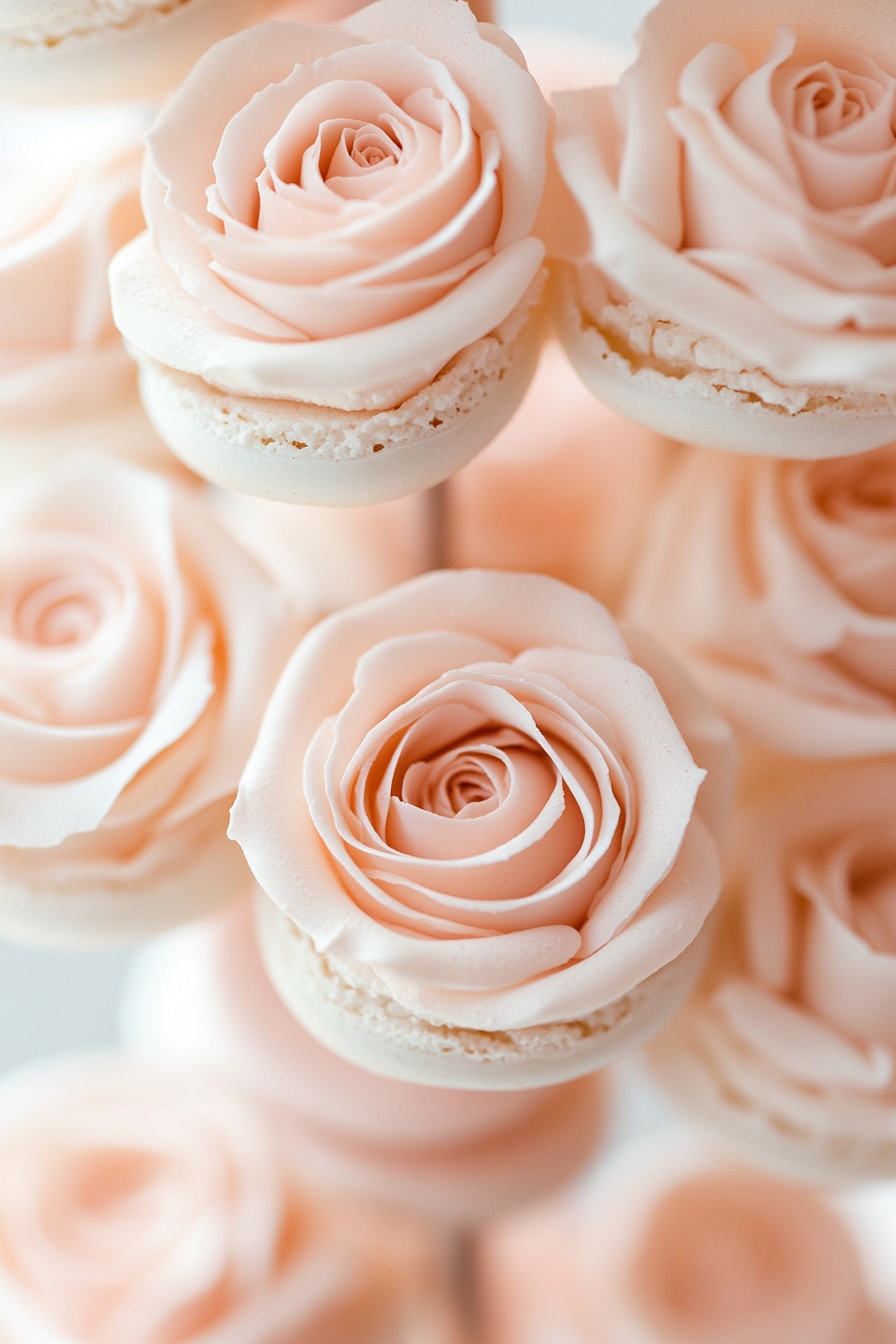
[358,995]
[652,344]
[285,428]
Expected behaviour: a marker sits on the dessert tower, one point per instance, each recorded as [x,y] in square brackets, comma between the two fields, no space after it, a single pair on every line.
[448,602]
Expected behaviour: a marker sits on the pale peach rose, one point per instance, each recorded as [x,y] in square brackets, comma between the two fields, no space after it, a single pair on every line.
[470,785]
[564,489]
[743,183]
[159,1207]
[812,987]
[138,646]
[336,212]
[69,199]
[679,1245]
[776,583]
[788,1048]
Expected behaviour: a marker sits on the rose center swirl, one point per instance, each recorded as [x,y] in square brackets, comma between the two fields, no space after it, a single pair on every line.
[57,610]
[858,493]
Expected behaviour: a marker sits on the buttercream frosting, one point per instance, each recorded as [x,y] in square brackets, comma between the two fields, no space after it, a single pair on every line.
[678,1243]
[741,182]
[162,1208]
[336,212]
[493,806]
[69,187]
[138,644]
[774,581]
[789,1042]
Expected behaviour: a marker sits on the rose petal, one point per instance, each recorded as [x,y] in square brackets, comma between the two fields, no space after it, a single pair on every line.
[165,322]
[670,283]
[498,89]
[798,1044]
[666,792]
[40,816]
[666,925]
[183,144]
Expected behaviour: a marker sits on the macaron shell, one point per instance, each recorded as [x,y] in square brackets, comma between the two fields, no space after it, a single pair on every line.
[702,410]
[240,443]
[360,1022]
[140,61]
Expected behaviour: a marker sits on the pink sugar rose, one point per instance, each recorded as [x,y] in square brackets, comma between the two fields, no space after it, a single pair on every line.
[815,992]
[675,1243]
[743,183]
[776,583]
[138,646]
[335,212]
[470,785]
[69,184]
[141,1205]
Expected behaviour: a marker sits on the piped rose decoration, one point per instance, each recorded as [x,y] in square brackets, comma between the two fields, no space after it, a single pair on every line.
[743,183]
[335,212]
[469,785]
[155,1207]
[775,583]
[815,990]
[138,644]
[676,1243]
[70,189]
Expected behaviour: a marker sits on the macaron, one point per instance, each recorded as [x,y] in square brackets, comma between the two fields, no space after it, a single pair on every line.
[94,51]
[341,321]
[321,455]
[787,1049]
[661,374]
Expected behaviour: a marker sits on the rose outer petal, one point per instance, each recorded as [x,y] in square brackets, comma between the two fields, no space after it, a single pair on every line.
[365,370]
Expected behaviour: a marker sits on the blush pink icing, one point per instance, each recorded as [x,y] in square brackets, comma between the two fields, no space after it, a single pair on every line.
[490,803]
[200,996]
[743,182]
[69,199]
[138,645]
[775,582]
[565,489]
[677,1245]
[162,1208]
[814,988]
[336,212]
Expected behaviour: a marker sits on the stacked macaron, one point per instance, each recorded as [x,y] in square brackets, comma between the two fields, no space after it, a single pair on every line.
[473,825]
